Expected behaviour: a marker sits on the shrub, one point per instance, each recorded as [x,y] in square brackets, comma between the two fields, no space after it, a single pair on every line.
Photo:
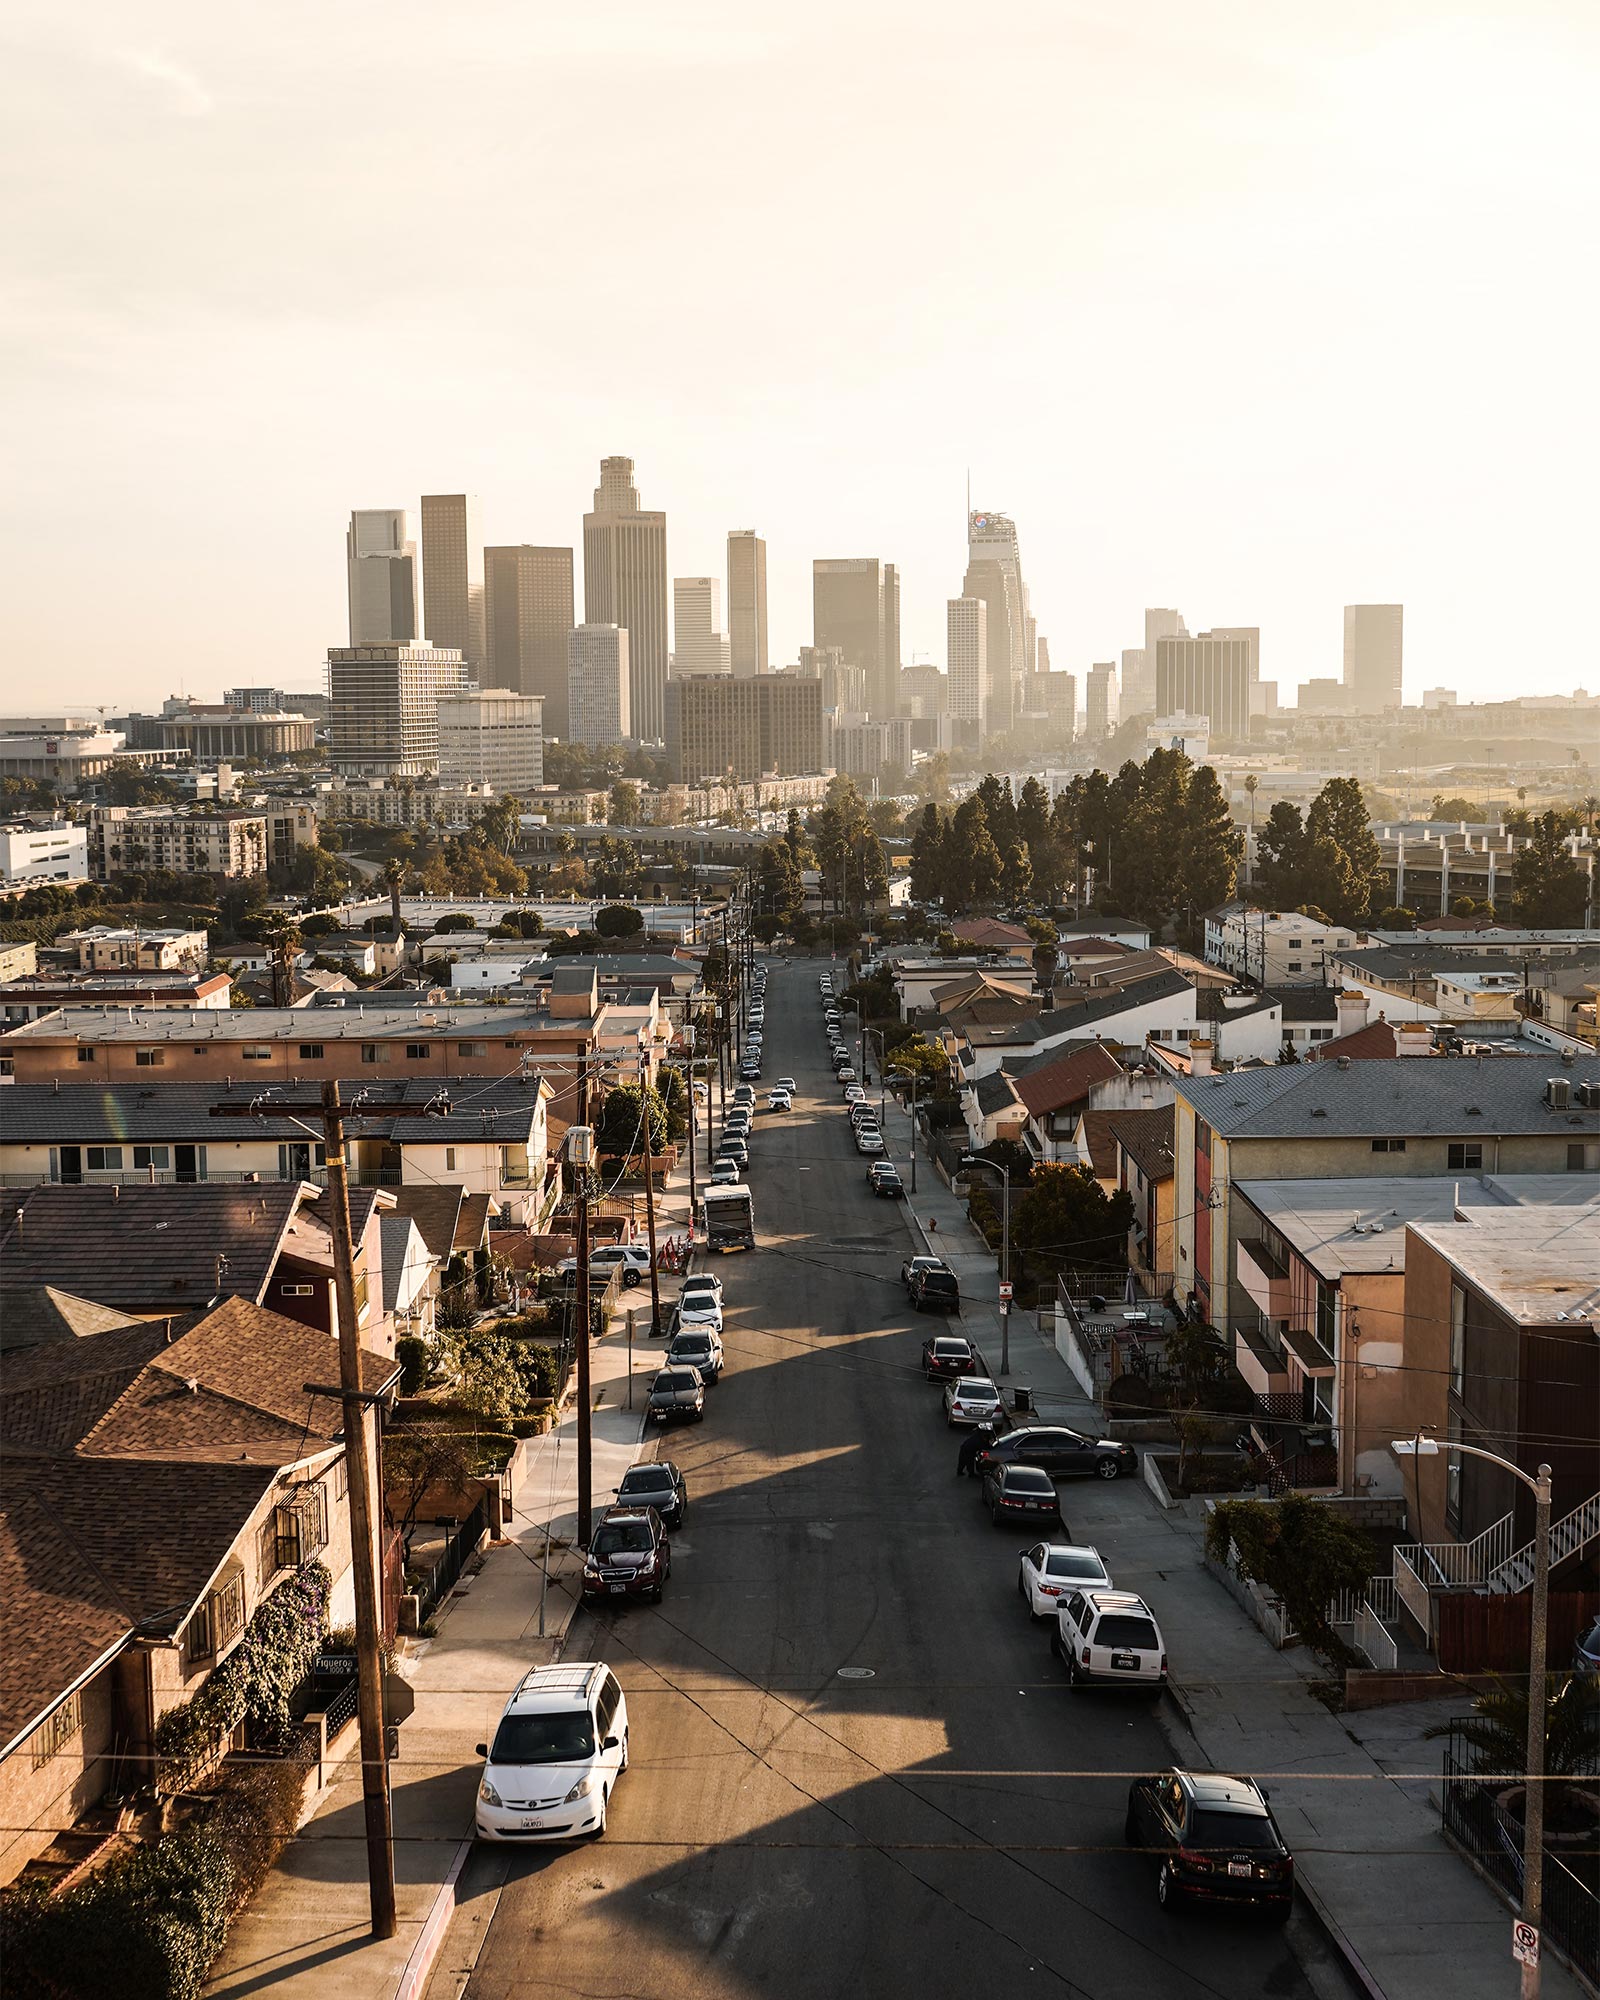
[412,1353]
[254,1684]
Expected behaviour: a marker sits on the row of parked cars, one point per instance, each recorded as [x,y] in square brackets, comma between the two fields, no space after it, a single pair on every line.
[866,1132]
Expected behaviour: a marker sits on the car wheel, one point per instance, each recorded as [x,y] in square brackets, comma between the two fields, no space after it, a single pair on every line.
[1168,1894]
[630,1278]
[699,1416]
[1107,1468]
[624,1764]
[600,1823]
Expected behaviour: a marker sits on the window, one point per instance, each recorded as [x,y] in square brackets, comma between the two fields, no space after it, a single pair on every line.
[145,1157]
[374,1052]
[218,1621]
[149,1058]
[103,1159]
[57,1731]
[1322,1034]
[311,1051]
[1202,1138]
[297,1529]
[449,1159]
[341,1478]
[466,1050]
[1452,1488]
[1577,1158]
[1458,1338]
[1464,1158]
[296,1291]
[1388,1145]
[418,1051]
[86,1055]
[257,1051]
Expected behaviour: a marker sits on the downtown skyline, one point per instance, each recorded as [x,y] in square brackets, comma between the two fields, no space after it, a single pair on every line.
[1353,252]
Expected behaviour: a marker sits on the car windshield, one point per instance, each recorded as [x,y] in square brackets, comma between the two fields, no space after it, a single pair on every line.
[652,1480]
[677,1379]
[974,1389]
[1225,1829]
[687,1345]
[1074,1565]
[543,1739]
[952,1350]
[1027,1479]
[1123,1628]
[617,1538]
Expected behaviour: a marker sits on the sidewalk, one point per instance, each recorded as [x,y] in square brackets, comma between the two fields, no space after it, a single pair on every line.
[1356,1794]
[305,1935]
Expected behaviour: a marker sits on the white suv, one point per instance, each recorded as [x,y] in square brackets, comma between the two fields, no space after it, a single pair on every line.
[634,1259]
[1110,1637]
[560,1748]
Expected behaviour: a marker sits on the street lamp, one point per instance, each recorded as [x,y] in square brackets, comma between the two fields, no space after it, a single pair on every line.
[1538,1484]
[970,1160]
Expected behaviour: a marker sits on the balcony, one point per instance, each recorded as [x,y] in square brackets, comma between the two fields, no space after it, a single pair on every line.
[1265,1276]
[1262,1366]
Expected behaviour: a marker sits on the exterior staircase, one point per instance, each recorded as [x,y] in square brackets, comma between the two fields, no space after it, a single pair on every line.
[1568,1537]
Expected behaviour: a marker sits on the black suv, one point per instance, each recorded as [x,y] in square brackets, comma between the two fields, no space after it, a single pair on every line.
[660,1485]
[1214,1840]
[935,1291]
[629,1555]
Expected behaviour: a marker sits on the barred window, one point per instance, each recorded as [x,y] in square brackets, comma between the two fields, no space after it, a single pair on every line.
[57,1731]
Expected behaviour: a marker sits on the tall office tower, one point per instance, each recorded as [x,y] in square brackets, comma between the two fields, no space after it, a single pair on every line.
[847,612]
[1100,700]
[1251,635]
[764,726]
[747,602]
[699,644]
[1140,695]
[843,686]
[1052,699]
[383,707]
[625,583]
[1041,655]
[452,575]
[382,575]
[967,639]
[491,737]
[527,593]
[599,685]
[1373,645]
[1207,675]
[994,573]
[891,636]
[1137,693]
[924,691]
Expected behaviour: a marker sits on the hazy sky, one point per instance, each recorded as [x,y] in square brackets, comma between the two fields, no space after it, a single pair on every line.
[1252,309]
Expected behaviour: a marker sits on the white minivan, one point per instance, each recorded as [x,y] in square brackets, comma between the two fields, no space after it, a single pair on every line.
[558,1752]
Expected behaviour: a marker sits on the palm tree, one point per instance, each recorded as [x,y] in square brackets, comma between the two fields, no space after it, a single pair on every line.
[1497,1729]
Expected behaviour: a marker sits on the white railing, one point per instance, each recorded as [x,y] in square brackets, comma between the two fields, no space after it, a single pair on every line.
[1571,1533]
[1373,1639]
[1412,1592]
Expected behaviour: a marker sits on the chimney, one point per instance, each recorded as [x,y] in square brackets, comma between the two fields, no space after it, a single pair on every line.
[1351,1008]
[1200,1058]
[1413,1038]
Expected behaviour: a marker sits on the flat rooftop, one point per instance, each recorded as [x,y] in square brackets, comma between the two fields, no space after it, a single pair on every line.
[1540,1266]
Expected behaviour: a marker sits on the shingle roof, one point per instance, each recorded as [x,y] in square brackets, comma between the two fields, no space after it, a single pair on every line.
[1146,1137]
[1095,1134]
[994,1093]
[1306,1003]
[435,1211]
[990,931]
[1067,1079]
[32,1314]
[1373,1043]
[1453,1096]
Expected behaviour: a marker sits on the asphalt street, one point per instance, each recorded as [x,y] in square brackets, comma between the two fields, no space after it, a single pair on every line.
[856,1769]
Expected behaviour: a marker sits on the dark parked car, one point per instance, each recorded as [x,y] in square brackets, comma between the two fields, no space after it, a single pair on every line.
[945,1355]
[912,1265]
[935,1291]
[1214,1840]
[629,1555]
[1586,1654]
[1020,1493]
[885,1181]
[677,1395]
[697,1347]
[1063,1454]
[660,1485]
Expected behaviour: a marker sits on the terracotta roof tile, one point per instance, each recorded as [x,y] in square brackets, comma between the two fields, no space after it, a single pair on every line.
[1067,1080]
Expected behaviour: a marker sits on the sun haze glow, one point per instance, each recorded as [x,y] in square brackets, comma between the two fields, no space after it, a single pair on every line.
[1250,309]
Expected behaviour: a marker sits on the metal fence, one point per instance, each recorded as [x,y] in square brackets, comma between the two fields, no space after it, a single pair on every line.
[440,1577]
[1478,1819]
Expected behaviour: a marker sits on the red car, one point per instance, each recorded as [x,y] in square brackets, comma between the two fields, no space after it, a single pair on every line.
[629,1555]
[947,1354]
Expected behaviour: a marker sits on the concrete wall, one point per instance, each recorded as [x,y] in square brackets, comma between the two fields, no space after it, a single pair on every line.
[37,1802]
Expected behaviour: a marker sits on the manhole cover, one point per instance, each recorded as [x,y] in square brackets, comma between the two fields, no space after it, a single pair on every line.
[855,1673]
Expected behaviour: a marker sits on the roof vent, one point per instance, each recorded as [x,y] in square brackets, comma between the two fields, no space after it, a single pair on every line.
[1344,1062]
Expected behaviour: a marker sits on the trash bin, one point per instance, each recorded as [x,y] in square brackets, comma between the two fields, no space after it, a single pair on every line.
[1021,1397]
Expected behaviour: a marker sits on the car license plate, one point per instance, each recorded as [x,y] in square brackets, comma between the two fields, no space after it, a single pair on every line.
[617,1589]
[1126,1662]
[1239,1868]
[529,1823]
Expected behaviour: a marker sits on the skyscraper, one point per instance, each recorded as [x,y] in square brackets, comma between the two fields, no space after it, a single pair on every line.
[1139,693]
[967,634]
[599,685]
[452,574]
[1373,647]
[1100,700]
[994,573]
[1251,635]
[847,612]
[891,638]
[768,724]
[383,707]
[625,584]
[528,614]
[491,737]
[747,602]
[381,566]
[1209,675]
[699,644]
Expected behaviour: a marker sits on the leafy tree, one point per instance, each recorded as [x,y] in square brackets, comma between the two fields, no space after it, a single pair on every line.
[1396,918]
[1195,1364]
[1300,1551]
[1551,891]
[490,1384]
[928,856]
[1208,852]
[1459,809]
[1067,1216]
[455,920]
[416,1460]
[1339,814]
[1498,1725]
[624,804]
[975,866]
[620,1133]
[1016,872]
[618,920]
[528,923]
[1280,856]
[920,1058]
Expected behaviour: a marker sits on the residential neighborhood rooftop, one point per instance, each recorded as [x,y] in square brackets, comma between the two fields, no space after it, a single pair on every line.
[1539,1266]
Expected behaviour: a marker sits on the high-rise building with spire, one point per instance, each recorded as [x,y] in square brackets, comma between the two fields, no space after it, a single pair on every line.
[381,568]
[747,603]
[452,575]
[994,574]
[625,584]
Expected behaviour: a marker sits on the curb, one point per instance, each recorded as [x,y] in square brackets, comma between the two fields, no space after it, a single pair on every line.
[419,1966]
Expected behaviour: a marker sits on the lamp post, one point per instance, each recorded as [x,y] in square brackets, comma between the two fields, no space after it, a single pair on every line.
[970,1160]
[1538,1484]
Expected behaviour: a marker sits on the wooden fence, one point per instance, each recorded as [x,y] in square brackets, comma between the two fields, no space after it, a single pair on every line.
[1480,1634]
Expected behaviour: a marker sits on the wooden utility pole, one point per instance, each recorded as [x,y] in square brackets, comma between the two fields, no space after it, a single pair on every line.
[585,1414]
[363,1507]
[649,1198]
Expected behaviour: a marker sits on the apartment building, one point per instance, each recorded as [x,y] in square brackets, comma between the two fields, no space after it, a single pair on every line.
[1274,947]
[129,840]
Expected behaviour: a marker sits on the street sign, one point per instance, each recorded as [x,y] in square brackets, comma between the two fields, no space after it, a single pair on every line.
[1005,1290]
[1524,1943]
